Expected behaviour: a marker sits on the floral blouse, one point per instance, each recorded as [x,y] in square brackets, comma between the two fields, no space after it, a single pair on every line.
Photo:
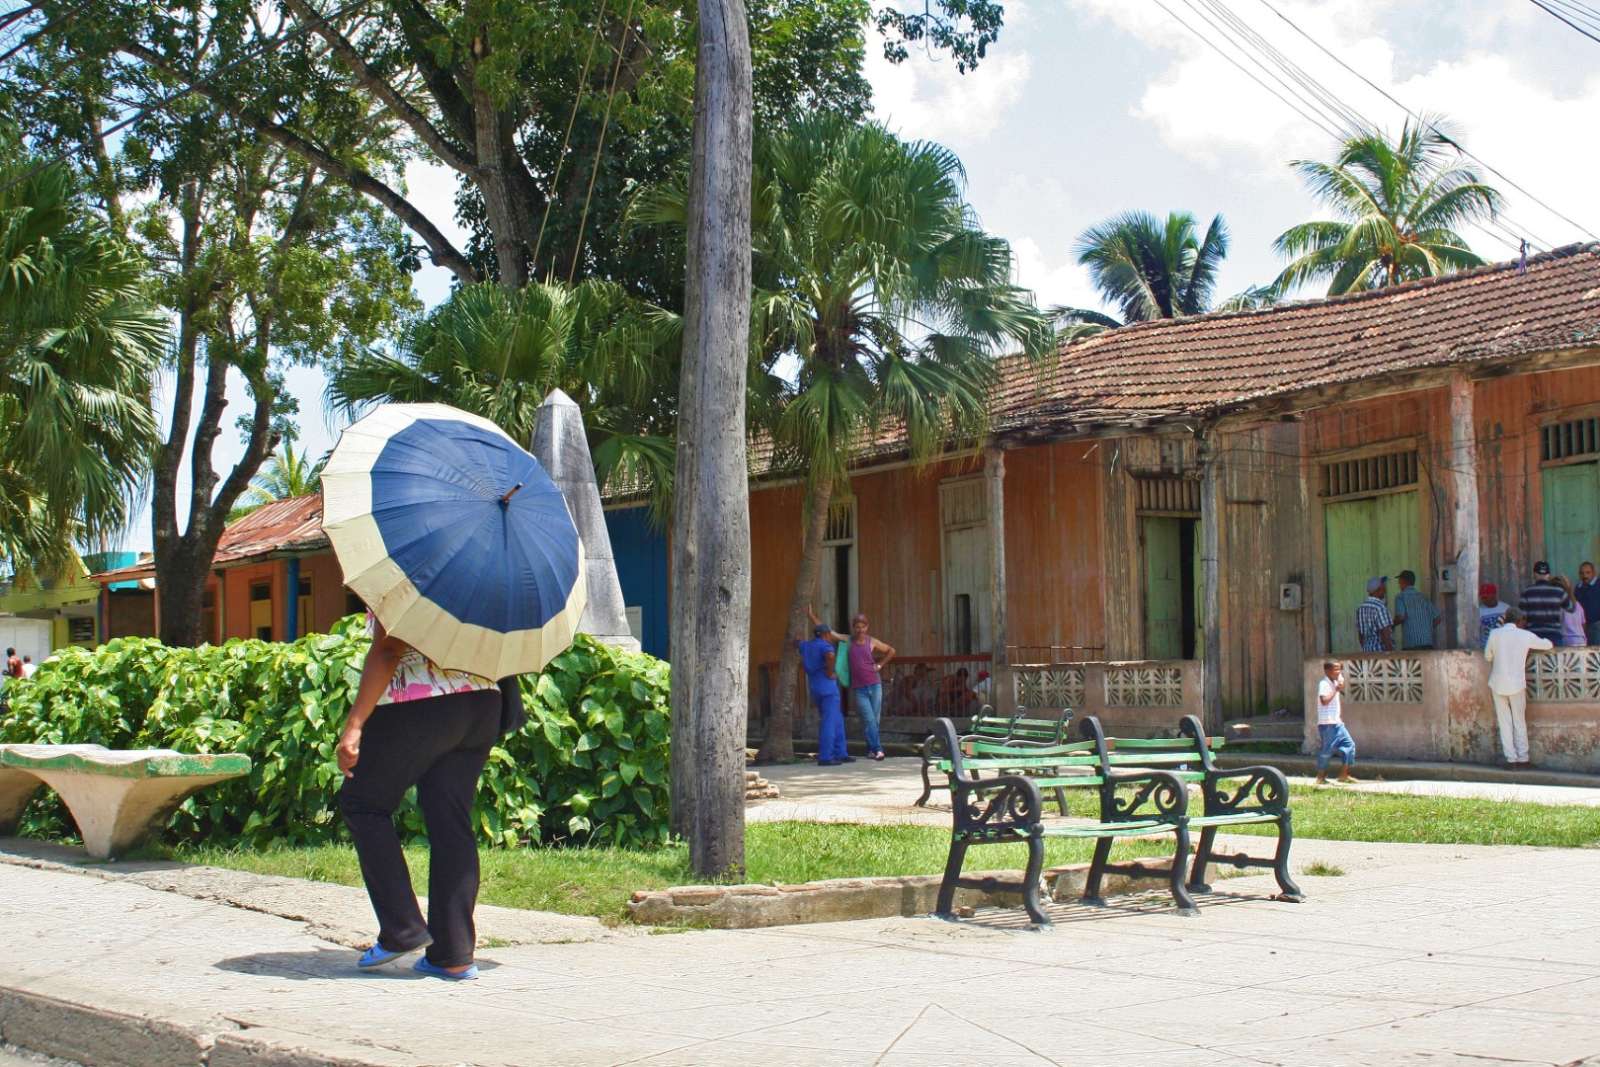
[417,677]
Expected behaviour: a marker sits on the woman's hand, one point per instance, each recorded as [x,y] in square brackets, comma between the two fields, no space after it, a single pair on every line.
[349,751]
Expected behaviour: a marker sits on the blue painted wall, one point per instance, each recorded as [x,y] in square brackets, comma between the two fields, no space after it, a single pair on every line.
[641,555]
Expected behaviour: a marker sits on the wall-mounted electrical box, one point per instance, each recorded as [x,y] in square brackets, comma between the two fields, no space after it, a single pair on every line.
[1289,596]
[1447,578]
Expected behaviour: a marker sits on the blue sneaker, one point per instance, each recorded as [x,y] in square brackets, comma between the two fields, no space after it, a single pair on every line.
[422,966]
[378,956]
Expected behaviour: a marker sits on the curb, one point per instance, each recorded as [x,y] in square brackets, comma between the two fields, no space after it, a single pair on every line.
[751,906]
[101,1037]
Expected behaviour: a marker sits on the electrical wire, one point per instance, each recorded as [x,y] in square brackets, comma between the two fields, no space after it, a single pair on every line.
[566,138]
[1419,118]
[1550,10]
[600,146]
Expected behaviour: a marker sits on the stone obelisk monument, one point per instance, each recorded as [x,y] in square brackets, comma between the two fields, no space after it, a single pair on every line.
[561,445]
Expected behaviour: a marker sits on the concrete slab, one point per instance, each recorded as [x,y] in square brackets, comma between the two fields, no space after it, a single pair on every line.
[1420,954]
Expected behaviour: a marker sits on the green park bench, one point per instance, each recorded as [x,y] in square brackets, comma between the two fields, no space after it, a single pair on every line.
[1143,792]
[115,797]
[990,731]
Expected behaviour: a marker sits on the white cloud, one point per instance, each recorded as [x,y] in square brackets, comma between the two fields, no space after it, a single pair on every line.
[1508,113]
[1053,276]
[928,98]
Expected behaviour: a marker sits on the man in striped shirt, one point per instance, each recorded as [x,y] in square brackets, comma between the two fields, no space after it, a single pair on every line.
[1415,613]
[1542,603]
[1373,624]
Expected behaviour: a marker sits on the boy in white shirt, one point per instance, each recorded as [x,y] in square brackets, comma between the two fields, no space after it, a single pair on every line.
[1507,653]
[1330,724]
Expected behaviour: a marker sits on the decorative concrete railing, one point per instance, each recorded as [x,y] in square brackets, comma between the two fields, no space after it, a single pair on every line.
[1437,706]
[1393,679]
[1093,688]
[1565,676]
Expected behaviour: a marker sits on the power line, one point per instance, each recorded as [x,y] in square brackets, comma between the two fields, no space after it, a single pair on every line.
[1391,98]
[1548,9]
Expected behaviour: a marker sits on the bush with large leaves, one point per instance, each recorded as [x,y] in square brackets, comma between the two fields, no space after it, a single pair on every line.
[590,766]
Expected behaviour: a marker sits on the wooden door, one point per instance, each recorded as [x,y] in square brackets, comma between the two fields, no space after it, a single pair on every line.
[965,519]
[1571,516]
[1367,537]
[1163,588]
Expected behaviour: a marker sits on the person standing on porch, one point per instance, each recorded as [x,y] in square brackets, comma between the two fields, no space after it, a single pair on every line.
[1331,731]
[1574,620]
[816,658]
[1542,602]
[1587,593]
[1416,613]
[866,678]
[1507,653]
[1374,625]
[1491,611]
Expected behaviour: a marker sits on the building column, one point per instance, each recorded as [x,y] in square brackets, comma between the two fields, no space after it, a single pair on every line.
[291,599]
[994,480]
[1210,554]
[1464,474]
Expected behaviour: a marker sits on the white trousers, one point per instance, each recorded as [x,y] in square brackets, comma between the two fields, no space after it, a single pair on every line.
[1511,711]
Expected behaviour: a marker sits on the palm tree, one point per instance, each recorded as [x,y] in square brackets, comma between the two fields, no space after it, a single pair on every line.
[874,280]
[1149,268]
[499,352]
[1400,204]
[79,347]
[285,475]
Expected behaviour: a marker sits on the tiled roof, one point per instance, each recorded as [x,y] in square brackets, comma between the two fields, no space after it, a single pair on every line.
[1211,363]
[283,526]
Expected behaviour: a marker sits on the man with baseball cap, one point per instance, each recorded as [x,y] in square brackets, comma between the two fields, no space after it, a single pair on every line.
[1542,603]
[1491,611]
[1374,625]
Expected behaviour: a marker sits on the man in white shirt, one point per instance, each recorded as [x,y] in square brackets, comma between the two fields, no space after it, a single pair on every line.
[1507,653]
[1331,730]
[28,666]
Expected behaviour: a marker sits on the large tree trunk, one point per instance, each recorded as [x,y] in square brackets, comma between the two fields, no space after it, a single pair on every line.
[711,529]
[779,745]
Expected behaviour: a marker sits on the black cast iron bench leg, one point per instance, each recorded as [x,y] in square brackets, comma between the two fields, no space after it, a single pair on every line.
[1030,882]
[1202,860]
[1280,861]
[945,908]
[1091,885]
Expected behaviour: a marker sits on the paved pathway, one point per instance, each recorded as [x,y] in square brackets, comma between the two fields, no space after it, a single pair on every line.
[867,791]
[1437,955]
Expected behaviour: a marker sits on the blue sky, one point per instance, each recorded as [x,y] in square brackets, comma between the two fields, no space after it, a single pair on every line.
[1087,108]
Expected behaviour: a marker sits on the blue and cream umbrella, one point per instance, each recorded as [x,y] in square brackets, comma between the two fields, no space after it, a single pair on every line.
[456,538]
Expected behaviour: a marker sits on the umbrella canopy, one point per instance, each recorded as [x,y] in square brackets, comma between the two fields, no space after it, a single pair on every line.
[456,538]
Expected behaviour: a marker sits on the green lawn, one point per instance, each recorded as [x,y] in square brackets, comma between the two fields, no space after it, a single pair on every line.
[598,881]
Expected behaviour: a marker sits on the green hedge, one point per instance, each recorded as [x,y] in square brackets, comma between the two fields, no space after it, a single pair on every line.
[590,766]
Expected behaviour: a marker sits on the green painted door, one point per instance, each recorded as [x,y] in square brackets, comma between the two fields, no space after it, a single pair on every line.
[1571,516]
[1374,536]
[1163,588]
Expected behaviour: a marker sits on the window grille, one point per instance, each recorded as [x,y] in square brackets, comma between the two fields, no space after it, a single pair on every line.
[1169,496]
[1370,474]
[1564,440]
[963,503]
[841,528]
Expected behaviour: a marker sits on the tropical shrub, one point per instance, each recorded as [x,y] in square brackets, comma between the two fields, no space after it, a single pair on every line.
[589,766]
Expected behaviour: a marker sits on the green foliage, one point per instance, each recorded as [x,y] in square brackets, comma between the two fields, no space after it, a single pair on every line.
[1401,205]
[79,344]
[1151,268]
[590,766]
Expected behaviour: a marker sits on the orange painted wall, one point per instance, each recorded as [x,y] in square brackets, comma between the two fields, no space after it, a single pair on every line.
[327,590]
[1054,523]
[237,597]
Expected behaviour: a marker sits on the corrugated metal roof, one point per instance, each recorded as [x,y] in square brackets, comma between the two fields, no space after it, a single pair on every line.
[283,526]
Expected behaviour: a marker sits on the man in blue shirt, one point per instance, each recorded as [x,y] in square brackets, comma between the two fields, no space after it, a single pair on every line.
[816,658]
[1587,592]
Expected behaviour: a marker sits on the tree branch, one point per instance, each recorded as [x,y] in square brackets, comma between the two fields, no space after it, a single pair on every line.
[440,250]
[454,156]
[417,25]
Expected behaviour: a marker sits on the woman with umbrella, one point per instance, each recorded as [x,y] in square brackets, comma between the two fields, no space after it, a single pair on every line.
[469,561]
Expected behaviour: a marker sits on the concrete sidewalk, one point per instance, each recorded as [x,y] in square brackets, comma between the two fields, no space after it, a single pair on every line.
[1419,955]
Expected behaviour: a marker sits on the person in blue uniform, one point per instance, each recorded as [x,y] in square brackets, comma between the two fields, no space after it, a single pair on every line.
[816,657]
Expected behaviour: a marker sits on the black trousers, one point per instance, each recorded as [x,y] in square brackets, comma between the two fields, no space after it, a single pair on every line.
[440,746]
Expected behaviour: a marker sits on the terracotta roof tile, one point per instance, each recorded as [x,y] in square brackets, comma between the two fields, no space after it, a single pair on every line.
[293,525]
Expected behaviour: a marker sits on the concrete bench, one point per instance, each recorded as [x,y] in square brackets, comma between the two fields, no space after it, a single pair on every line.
[115,797]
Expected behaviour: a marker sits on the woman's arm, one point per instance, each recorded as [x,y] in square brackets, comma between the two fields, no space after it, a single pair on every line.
[886,648]
[382,659]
